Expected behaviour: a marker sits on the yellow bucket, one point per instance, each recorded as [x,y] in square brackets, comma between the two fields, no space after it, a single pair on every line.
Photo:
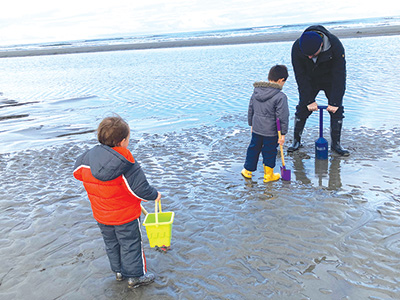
[159,227]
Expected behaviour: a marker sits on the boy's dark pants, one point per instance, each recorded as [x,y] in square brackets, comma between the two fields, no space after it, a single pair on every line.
[124,248]
[261,144]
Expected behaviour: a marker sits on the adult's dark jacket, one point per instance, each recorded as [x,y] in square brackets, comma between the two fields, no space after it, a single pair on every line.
[328,72]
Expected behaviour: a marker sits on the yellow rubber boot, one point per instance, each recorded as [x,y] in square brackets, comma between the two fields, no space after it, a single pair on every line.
[246,174]
[269,174]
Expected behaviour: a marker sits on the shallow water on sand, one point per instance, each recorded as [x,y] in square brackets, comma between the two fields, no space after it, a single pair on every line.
[331,233]
[53,99]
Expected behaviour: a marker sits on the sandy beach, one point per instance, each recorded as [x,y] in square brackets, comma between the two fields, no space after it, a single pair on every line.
[260,38]
[331,233]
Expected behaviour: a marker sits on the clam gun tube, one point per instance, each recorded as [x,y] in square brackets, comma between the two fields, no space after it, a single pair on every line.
[321,144]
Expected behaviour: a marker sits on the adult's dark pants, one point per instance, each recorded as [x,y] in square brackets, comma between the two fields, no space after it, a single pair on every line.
[303,113]
[261,144]
[124,248]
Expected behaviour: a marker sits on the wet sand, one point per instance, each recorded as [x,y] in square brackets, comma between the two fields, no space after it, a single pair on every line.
[261,38]
[330,233]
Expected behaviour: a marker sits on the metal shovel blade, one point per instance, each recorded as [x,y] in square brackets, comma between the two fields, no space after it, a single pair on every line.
[285,174]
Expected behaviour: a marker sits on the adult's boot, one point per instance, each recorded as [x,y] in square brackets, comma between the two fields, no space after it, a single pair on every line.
[298,131]
[336,130]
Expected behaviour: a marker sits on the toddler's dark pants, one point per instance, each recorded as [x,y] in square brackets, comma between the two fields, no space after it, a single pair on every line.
[124,248]
[261,144]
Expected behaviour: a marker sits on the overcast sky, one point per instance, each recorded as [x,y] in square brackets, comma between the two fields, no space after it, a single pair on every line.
[27,21]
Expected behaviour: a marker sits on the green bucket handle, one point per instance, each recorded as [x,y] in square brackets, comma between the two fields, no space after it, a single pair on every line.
[156,213]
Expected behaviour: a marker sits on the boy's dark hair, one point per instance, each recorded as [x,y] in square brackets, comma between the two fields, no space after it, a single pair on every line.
[112,130]
[277,72]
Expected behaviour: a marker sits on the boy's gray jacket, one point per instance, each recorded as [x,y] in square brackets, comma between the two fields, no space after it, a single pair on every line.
[267,104]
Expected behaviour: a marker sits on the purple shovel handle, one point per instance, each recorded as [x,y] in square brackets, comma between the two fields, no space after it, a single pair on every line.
[285,174]
[278,124]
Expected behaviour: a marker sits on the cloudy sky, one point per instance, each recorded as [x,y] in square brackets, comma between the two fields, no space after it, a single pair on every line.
[26,21]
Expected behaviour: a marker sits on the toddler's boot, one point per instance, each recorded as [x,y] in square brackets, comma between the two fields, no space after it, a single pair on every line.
[118,276]
[246,174]
[146,279]
[269,174]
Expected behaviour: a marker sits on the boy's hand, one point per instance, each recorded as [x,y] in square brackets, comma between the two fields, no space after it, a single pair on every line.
[281,141]
[313,106]
[158,197]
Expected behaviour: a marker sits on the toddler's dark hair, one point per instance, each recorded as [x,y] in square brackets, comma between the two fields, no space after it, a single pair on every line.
[277,72]
[112,130]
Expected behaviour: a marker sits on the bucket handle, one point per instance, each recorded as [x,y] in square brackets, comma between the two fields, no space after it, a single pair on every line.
[155,209]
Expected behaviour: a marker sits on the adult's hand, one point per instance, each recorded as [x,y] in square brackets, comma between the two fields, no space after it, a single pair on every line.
[313,106]
[332,109]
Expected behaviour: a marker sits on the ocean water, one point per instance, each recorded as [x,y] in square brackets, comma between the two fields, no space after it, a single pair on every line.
[330,233]
[213,34]
[52,99]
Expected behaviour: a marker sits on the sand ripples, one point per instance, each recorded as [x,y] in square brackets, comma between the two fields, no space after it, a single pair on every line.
[232,239]
[330,233]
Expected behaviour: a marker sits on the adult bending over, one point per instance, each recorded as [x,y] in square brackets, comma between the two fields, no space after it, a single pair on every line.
[319,65]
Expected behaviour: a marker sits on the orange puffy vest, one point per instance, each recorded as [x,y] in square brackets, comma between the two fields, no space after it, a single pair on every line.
[113,202]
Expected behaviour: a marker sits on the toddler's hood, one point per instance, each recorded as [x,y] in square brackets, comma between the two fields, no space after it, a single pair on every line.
[106,164]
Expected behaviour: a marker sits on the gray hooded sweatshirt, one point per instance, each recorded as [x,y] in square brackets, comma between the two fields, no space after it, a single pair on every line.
[268,103]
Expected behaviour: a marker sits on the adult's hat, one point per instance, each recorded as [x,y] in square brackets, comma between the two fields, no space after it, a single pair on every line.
[310,42]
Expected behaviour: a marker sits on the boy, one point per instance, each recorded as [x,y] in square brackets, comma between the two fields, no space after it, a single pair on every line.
[267,104]
[116,185]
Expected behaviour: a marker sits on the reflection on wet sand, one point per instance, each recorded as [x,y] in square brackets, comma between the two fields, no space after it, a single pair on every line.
[298,167]
[232,238]
[334,173]
[329,168]
[326,171]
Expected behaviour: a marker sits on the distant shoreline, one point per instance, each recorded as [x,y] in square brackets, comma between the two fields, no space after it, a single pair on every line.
[260,38]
